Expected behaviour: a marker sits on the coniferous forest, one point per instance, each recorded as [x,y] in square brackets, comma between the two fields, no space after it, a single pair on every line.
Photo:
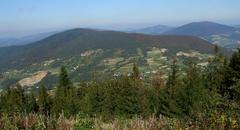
[201,98]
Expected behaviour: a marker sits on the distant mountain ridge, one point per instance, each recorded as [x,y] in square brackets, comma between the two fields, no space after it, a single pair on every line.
[219,34]
[202,29]
[24,40]
[155,30]
[237,26]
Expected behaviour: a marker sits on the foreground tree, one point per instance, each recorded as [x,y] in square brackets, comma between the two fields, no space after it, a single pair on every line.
[14,100]
[64,97]
[31,103]
[232,76]
[44,101]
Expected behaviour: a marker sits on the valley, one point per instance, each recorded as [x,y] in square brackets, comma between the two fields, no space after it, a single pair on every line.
[111,54]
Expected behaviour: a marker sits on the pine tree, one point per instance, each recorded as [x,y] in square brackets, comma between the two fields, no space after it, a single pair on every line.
[44,101]
[167,97]
[135,72]
[111,90]
[63,92]
[235,65]
[128,97]
[193,91]
[232,76]
[214,74]
[31,104]
[93,101]
[172,78]
[64,80]
[14,100]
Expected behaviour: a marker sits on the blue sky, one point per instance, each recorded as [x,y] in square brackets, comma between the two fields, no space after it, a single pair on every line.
[24,17]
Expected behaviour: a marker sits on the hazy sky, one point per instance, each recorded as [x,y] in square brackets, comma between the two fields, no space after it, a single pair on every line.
[23,17]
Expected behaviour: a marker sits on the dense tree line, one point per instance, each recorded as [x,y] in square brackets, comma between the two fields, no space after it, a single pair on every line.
[199,92]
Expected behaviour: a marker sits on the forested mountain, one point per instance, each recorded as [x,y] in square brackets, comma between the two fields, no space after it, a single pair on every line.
[219,34]
[202,29]
[104,52]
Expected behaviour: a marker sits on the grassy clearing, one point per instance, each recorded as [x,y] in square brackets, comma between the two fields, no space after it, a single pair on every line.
[42,122]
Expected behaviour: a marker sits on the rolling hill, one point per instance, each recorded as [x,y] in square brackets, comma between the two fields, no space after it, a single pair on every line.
[85,51]
[219,34]
[202,29]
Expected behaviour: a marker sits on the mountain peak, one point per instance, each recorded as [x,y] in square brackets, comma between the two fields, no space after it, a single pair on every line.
[205,28]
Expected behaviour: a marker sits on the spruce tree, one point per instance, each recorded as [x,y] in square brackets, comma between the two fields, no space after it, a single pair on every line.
[172,78]
[232,76]
[167,97]
[135,72]
[64,80]
[44,101]
[14,100]
[214,73]
[63,96]
[193,91]
[31,104]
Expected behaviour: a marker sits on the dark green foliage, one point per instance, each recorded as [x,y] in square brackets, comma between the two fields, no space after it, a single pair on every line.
[64,81]
[198,94]
[44,100]
[231,76]
[127,97]
[14,100]
[31,103]
[172,78]
[234,62]
[115,97]
[194,92]
[93,101]
[65,95]
[167,98]
[135,73]
[215,73]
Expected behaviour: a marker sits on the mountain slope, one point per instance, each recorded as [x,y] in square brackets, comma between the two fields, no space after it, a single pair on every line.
[105,52]
[73,42]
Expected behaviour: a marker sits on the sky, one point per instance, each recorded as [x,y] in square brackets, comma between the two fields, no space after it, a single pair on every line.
[25,17]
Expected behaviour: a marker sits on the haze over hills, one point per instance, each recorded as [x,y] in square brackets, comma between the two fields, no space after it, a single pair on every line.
[222,35]
[24,40]
[237,26]
[155,30]
[105,52]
